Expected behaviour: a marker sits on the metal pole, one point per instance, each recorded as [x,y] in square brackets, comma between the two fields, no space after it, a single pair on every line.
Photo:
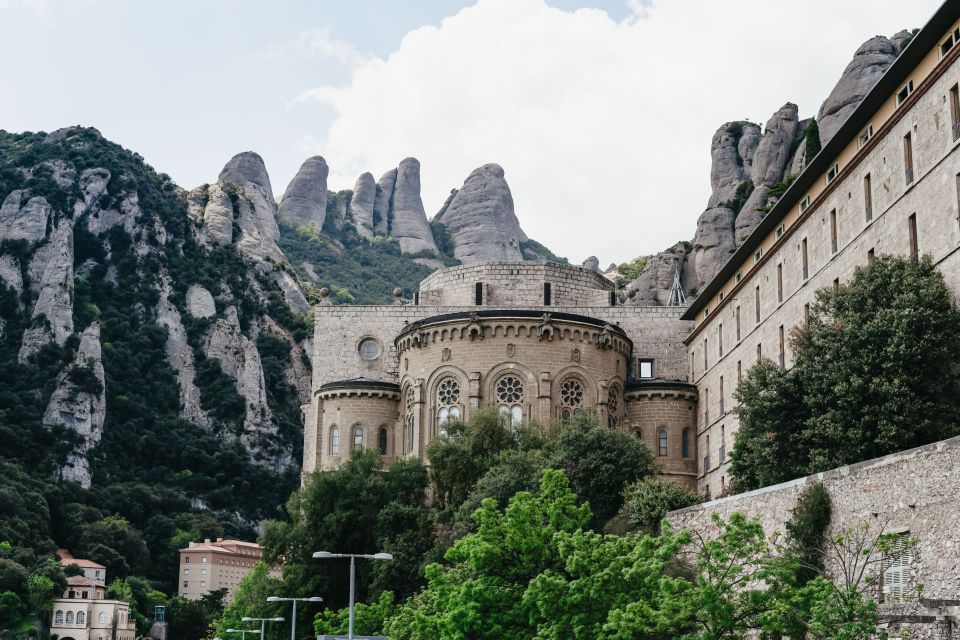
[263,629]
[293,623]
[350,629]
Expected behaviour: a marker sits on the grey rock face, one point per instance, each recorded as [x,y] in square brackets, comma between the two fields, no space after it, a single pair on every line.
[592,263]
[410,226]
[361,205]
[481,220]
[93,184]
[10,275]
[180,355]
[731,152]
[751,214]
[239,359]
[22,218]
[773,152]
[652,287]
[246,167]
[81,410]
[53,312]
[869,62]
[305,200]
[216,216]
[200,302]
[713,242]
[383,202]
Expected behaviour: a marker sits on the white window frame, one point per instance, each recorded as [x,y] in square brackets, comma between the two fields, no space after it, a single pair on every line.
[804,203]
[832,172]
[865,135]
[780,230]
[904,92]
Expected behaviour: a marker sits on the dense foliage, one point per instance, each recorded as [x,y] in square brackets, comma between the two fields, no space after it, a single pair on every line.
[646,502]
[874,373]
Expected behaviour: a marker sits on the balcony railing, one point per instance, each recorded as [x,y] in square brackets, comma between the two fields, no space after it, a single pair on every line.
[909,175]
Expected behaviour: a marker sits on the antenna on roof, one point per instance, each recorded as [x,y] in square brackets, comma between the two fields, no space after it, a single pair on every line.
[677,297]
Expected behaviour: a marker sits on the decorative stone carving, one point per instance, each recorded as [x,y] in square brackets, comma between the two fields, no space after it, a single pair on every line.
[575,355]
[475,329]
[546,329]
[605,337]
[445,354]
[511,350]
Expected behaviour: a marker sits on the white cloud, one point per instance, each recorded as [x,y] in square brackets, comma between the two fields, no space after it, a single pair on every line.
[603,127]
[318,42]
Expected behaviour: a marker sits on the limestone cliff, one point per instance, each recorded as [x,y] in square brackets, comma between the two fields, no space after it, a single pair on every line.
[305,200]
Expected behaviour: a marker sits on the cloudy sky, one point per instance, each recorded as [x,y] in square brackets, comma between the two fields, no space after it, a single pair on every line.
[600,111]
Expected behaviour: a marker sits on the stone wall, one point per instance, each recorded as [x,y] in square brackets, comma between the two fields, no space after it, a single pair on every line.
[913,491]
[371,410]
[932,197]
[511,284]
[652,407]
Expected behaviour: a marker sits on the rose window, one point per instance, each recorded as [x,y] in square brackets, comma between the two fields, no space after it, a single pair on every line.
[448,398]
[509,390]
[571,398]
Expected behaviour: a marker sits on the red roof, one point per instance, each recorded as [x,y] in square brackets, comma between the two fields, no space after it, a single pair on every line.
[66,559]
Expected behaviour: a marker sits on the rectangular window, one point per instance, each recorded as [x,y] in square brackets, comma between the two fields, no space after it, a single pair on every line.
[203,560]
[613,298]
[693,369]
[705,361]
[186,572]
[478,294]
[740,273]
[904,92]
[912,228]
[946,46]
[832,173]
[870,256]
[722,412]
[685,443]
[908,159]
[865,135]
[804,203]
[186,560]
[756,302]
[546,294]
[706,407]
[739,371]
[722,457]
[806,312]
[836,284]
[757,256]
[783,350]
[185,583]
[203,572]
[645,369]
[759,352]
[780,231]
[896,569]
[868,197]
[805,259]
[720,297]
[833,231]
[780,282]
[720,340]
[955,111]
[737,316]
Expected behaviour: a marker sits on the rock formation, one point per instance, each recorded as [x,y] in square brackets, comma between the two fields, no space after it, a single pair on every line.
[593,263]
[23,218]
[78,403]
[383,202]
[480,218]
[53,312]
[361,206]
[180,354]
[200,302]
[305,200]
[408,220]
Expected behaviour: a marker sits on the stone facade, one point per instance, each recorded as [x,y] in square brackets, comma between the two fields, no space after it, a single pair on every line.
[872,203]
[913,492]
[495,334]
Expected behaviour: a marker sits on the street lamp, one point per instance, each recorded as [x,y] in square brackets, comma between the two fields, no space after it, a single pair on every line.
[326,555]
[263,624]
[293,618]
[243,632]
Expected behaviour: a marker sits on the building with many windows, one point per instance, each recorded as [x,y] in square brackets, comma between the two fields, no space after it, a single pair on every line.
[539,341]
[84,612]
[216,564]
[888,182]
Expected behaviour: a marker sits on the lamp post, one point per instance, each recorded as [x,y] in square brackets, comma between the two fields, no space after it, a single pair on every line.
[326,555]
[243,632]
[293,618]
[263,624]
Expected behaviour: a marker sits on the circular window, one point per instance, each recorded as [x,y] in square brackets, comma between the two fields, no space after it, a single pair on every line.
[369,349]
[448,393]
[571,393]
[509,390]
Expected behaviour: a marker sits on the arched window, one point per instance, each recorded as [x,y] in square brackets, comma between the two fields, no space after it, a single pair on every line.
[69,617]
[509,390]
[357,437]
[448,403]
[637,433]
[81,618]
[571,398]
[662,442]
[382,440]
[58,617]
[685,442]
[410,423]
[613,407]
[103,617]
[334,440]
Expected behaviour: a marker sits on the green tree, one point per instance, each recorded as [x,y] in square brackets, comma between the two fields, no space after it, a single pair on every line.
[191,619]
[811,140]
[874,372]
[368,619]
[646,502]
[116,544]
[250,599]
[599,462]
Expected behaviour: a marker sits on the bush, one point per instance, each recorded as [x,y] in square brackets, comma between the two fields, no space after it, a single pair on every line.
[646,502]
